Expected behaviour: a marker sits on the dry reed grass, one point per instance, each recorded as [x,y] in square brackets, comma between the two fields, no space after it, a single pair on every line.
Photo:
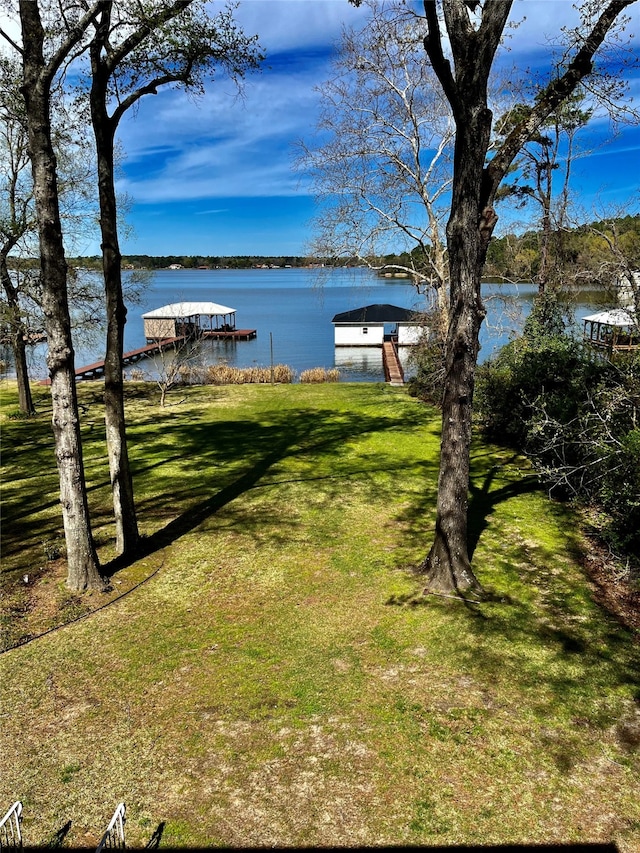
[320,374]
[224,374]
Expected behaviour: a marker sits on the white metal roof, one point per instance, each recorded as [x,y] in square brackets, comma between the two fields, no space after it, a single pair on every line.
[615,317]
[188,309]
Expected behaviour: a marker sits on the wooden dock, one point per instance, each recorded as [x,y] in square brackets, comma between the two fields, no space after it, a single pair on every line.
[96,370]
[393,372]
[229,335]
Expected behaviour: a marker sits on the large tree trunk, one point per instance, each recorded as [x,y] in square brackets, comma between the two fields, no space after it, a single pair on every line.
[447,566]
[18,345]
[469,230]
[124,509]
[83,567]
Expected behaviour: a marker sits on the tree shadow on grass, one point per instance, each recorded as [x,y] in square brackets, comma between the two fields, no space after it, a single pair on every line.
[484,499]
[222,460]
[546,634]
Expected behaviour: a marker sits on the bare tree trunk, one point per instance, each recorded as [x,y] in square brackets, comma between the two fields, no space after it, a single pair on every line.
[25,398]
[447,566]
[127,536]
[124,509]
[544,177]
[18,345]
[83,566]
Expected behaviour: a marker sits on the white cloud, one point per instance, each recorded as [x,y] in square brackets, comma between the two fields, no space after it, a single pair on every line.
[225,146]
[222,146]
[284,25]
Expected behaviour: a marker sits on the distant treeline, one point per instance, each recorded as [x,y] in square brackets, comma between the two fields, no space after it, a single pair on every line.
[516,257]
[191,262]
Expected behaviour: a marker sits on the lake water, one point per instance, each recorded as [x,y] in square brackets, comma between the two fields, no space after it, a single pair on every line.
[293,308]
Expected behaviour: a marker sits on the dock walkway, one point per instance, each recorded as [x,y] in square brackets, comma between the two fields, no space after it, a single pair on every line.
[394,374]
[96,370]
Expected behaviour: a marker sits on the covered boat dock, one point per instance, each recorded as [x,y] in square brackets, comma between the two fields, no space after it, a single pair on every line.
[194,320]
[380,325]
[612,331]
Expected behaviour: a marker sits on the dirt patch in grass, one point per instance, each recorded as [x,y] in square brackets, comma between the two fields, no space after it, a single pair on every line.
[40,602]
[616,583]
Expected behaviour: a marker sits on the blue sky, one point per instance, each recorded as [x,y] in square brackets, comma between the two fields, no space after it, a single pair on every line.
[215,177]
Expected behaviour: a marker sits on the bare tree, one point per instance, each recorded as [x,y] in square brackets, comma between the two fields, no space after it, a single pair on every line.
[134,51]
[471,34]
[16,217]
[382,166]
[21,306]
[177,366]
[615,263]
[40,65]
[550,152]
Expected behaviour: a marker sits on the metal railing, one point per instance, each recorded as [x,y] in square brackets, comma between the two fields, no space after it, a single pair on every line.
[10,834]
[114,835]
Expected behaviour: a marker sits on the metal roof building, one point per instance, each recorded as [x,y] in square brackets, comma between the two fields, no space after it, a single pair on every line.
[366,326]
[613,331]
[376,314]
[185,318]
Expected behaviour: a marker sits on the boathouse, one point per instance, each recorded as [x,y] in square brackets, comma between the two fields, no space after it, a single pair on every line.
[371,325]
[187,319]
[611,332]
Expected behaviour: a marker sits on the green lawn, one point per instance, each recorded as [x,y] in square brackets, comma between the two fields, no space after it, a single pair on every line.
[280,679]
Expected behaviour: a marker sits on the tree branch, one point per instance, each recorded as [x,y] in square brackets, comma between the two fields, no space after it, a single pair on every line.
[13,44]
[150,88]
[433,46]
[153,22]
[555,93]
[74,36]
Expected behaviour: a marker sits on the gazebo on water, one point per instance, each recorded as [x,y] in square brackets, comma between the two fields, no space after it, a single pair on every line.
[612,331]
[193,319]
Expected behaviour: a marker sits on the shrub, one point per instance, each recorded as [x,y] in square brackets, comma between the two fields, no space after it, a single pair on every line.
[575,416]
[509,387]
[427,359]
[621,494]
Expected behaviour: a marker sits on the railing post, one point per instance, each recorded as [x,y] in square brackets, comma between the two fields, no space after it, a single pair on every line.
[114,834]
[10,832]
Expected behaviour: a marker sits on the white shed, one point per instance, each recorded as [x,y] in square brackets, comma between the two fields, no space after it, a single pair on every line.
[371,325]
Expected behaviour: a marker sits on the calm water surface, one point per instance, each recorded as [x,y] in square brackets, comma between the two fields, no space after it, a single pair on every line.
[294,308]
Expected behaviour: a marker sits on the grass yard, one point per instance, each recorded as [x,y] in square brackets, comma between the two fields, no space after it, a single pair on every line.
[269,672]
